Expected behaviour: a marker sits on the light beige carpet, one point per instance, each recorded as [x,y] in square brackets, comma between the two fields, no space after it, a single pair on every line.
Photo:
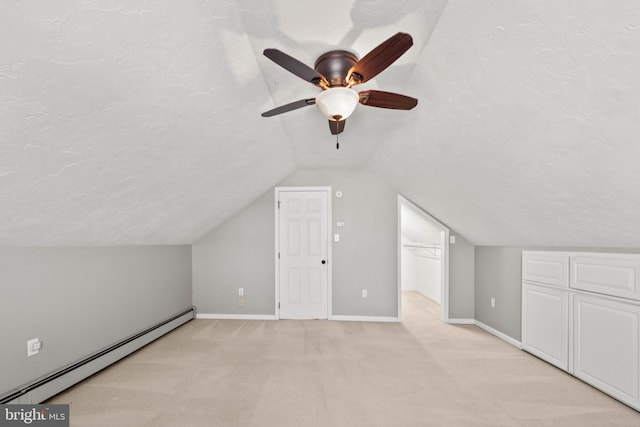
[324,373]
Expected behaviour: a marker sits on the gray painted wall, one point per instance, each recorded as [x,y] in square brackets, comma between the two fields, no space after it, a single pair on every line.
[499,275]
[240,252]
[78,300]
[461,278]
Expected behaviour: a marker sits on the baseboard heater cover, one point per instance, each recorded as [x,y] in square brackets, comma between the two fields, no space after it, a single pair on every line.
[57,381]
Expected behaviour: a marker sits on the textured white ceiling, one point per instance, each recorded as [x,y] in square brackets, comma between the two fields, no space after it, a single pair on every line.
[529,126]
[128,122]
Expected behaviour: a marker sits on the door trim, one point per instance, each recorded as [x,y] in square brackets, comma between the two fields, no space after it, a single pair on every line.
[444,259]
[277,191]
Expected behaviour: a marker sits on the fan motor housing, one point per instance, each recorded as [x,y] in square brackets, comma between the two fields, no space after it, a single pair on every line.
[334,66]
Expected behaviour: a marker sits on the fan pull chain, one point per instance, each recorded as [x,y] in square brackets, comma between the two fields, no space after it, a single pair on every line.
[337,118]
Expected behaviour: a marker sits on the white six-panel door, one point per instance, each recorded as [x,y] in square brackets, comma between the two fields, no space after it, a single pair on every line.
[303,249]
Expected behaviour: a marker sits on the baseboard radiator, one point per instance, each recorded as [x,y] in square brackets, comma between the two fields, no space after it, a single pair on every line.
[53,383]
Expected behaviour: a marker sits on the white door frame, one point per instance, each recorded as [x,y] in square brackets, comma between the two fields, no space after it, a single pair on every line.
[277,192]
[444,259]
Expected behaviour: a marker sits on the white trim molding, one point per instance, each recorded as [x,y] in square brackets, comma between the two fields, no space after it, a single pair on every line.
[236,316]
[499,334]
[364,319]
[461,321]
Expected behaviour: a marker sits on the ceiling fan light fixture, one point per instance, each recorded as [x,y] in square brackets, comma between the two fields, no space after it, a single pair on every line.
[337,103]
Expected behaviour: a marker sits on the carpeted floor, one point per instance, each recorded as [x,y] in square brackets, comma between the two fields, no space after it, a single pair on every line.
[420,372]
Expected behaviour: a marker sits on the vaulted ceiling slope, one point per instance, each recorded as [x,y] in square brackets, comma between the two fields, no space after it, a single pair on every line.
[130,122]
[529,128]
[139,122]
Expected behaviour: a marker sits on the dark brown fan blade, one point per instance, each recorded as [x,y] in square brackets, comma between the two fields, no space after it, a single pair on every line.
[380,58]
[296,67]
[380,99]
[337,127]
[289,107]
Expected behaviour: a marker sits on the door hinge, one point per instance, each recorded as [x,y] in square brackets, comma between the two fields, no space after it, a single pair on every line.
[278,255]
[278,204]
[278,306]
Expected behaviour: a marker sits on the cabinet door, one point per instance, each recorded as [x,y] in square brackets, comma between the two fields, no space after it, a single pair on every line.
[545,323]
[606,346]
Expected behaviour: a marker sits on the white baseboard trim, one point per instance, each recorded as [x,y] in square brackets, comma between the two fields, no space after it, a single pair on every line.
[499,334]
[461,321]
[236,316]
[364,319]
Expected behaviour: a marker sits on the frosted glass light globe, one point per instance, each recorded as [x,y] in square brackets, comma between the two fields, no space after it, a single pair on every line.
[337,103]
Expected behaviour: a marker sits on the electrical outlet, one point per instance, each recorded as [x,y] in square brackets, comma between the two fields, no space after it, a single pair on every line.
[364,293]
[240,301]
[336,237]
[33,347]
[493,302]
[240,292]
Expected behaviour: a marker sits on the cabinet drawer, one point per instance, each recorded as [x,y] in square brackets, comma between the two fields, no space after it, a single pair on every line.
[547,268]
[615,275]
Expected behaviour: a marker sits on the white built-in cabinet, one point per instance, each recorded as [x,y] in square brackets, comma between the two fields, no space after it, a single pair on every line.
[581,313]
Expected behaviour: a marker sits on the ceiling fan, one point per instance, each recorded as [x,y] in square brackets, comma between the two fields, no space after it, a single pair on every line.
[336,72]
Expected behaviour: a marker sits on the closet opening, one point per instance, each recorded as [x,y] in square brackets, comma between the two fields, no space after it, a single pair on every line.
[423,256]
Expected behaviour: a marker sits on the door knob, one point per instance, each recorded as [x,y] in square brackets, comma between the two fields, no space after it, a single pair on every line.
[324,262]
